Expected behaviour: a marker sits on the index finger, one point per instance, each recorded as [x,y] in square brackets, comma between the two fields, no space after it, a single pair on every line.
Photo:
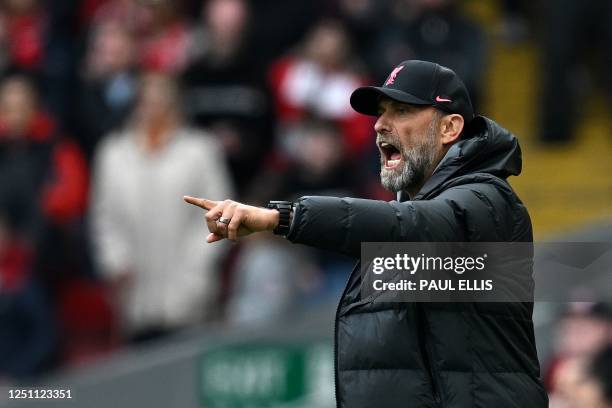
[200,202]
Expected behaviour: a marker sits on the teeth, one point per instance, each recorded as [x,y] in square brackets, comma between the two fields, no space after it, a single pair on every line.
[384,144]
[392,163]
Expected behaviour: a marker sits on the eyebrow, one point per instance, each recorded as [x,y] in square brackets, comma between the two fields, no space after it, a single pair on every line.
[395,104]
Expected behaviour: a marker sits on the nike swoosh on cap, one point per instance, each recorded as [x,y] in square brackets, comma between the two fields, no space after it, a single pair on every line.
[438,99]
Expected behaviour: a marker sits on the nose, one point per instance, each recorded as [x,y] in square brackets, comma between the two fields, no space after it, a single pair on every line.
[382,124]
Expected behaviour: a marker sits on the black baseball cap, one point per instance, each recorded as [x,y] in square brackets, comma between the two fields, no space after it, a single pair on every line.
[418,83]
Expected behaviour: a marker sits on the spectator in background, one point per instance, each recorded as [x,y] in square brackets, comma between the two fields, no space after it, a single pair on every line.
[43,180]
[28,340]
[316,81]
[362,19]
[108,85]
[224,91]
[22,34]
[432,30]
[36,38]
[584,330]
[576,35]
[159,29]
[164,44]
[43,185]
[147,245]
[130,14]
[40,38]
[585,381]
[585,327]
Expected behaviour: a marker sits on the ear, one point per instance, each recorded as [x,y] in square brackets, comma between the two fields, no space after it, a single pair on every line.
[450,128]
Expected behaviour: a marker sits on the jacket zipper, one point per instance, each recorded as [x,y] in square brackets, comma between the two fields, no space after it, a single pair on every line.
[433,374]
[430,364]
[428,359]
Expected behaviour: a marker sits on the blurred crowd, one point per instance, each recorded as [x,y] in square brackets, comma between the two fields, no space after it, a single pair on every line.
[112,110]
[579,374]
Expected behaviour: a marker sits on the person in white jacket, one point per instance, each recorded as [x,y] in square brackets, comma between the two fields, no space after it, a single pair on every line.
[149,246]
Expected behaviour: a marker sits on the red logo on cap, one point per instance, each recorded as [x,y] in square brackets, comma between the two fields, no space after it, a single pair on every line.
[392,75]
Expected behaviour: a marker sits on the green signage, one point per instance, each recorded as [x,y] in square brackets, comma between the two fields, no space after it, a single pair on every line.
[267,375]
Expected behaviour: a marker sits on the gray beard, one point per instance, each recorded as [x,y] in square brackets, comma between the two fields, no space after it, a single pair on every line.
[416,162]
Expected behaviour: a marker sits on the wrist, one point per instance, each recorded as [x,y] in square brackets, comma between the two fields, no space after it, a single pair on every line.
[282,218]
[274,217]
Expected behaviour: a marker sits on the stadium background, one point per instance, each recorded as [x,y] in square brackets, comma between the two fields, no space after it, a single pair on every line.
[114,104]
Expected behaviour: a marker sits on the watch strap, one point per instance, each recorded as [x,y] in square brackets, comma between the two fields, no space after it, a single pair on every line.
[284,209]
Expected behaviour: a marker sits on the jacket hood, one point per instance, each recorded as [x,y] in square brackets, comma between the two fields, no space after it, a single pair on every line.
[486,148]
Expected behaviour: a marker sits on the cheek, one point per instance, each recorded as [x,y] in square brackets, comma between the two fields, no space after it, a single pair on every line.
[414,134]
[407,136]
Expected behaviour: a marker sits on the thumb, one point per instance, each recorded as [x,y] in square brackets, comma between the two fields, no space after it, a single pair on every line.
[213,238]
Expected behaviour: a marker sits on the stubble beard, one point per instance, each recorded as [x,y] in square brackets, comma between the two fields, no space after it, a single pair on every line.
[417,162]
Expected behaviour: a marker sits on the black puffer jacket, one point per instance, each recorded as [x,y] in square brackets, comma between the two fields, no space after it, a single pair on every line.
[476,355]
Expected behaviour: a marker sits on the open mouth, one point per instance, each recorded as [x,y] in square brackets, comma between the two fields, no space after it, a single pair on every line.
[391,154]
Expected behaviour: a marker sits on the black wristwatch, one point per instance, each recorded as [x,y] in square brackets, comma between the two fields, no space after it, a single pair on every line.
[284,209]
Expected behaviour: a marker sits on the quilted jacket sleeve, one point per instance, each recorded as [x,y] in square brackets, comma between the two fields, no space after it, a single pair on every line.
[342,224]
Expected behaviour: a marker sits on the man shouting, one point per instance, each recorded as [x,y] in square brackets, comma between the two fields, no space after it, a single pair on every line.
[449,169]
